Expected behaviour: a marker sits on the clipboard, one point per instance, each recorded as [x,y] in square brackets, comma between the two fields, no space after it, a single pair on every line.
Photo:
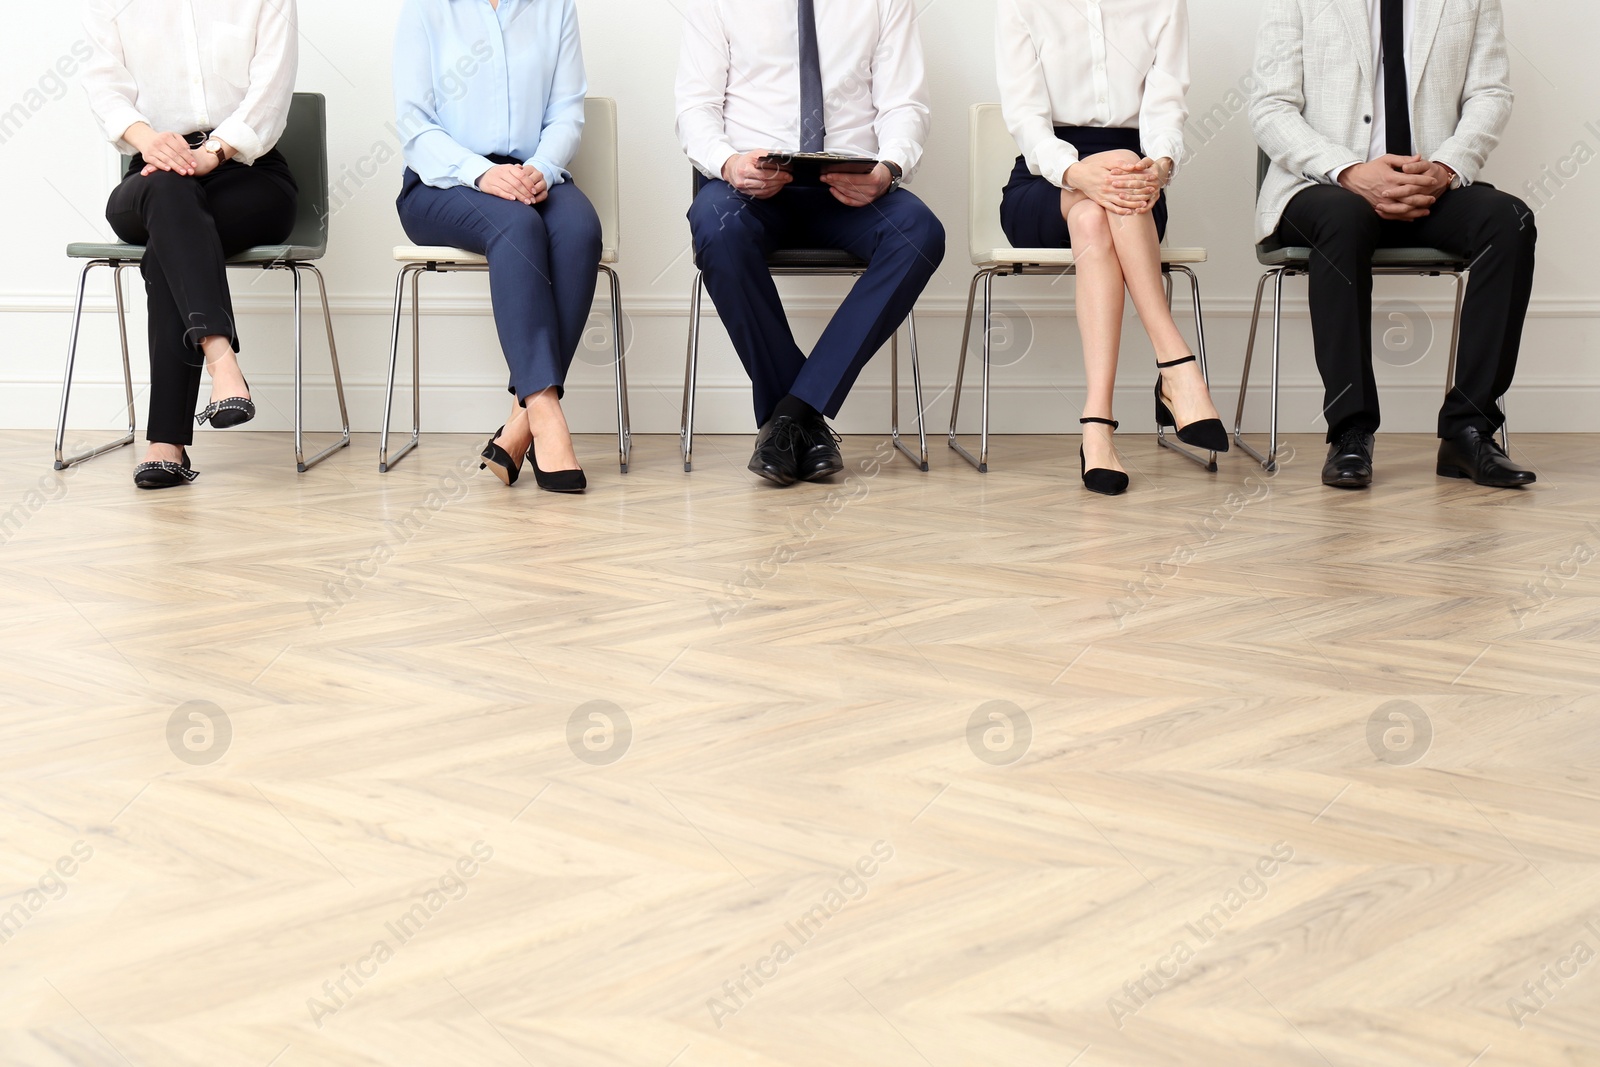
[810,166]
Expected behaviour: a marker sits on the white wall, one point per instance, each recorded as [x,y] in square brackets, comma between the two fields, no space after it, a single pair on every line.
[56,173]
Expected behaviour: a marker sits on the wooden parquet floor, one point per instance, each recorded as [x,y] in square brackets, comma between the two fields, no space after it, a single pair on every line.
[917,769]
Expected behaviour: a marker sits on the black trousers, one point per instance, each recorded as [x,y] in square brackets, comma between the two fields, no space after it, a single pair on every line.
[189,227]
[1491,229]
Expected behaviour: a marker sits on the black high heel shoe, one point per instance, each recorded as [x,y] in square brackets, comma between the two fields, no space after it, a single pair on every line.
[505,468]
[572,481]
[1100,480]
[164,474]
[226,414]
[1208,434]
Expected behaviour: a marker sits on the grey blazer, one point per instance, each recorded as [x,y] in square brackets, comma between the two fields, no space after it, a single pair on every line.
[1312,108]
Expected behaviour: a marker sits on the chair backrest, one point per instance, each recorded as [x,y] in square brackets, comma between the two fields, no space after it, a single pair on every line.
[991,156]
[594,169]
[304,145]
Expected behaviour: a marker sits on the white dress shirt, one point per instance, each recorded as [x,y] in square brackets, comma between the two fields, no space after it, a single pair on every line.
[1112,63]
[739,80]
[225,67]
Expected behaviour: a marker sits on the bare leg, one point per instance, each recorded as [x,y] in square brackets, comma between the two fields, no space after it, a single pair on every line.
[1139,252]
[227,380]
[1100,287]
[551,438]
[516,437]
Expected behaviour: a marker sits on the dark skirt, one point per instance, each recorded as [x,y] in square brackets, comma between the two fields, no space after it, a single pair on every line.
[1030,207]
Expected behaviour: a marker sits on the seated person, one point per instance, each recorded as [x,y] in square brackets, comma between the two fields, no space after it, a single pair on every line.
[1085,181]
[486,159]
[1379,143]
[842,76]
[198,97]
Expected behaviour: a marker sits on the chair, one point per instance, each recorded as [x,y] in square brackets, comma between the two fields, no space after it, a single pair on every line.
[808,263]
[305,146]
[1291,261]
[595,171]
[993,153]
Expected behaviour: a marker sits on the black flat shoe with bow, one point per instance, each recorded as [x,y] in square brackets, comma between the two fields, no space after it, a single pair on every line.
[164,474]
[226,414]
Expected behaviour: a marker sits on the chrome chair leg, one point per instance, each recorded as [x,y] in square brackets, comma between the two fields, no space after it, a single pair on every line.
[916,392]
[984,277]
[619,342]
[1209,459]
[690,374]
[385,460]
[62,461]
[1249,359]
[338,379]
[299,360]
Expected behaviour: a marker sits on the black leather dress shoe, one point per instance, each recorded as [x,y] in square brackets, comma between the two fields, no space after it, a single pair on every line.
[778,448]
[818,451]
[1349,464]
[1475,454]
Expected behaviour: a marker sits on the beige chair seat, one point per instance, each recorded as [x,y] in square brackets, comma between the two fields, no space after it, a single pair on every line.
[1062,257]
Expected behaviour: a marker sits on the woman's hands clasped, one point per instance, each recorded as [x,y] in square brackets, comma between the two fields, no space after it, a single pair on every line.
[515,181]
[1119,183]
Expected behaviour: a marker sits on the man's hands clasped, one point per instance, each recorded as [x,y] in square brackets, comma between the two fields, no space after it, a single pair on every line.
[1399,188]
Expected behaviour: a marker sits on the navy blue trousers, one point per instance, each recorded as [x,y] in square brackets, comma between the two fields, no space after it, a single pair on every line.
[543,263]
[899,238]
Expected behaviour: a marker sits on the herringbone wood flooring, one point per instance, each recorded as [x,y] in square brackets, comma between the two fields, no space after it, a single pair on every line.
[1176,841]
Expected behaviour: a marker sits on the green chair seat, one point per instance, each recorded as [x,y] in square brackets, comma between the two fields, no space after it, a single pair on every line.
[260,254]
[1403,258]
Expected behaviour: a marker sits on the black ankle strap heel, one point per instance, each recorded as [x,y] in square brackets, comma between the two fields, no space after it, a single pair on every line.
[1208,434]
[1100,480]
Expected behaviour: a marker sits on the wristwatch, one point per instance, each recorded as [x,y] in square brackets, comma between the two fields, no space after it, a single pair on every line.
[216,148]
[895,173]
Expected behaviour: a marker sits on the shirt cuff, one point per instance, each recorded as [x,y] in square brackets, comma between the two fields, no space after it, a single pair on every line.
[553,175]
[246,145]
[1465,181]
[1333,175]
[1054,157]
[120,122]
[1168,151]
[718,158]
[473,168]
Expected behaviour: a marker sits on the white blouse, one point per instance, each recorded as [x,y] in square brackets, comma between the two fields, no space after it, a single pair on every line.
[739,79]
[188,66]
[1109,63]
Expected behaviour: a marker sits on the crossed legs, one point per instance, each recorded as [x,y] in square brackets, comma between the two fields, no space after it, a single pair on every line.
[1113,254]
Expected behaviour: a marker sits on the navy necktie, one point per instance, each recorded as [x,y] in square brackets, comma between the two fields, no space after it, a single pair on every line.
[812,127]
[1396,95]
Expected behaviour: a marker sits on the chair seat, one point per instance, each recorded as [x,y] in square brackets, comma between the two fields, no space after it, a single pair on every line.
[814,259]
[446,254]
[1062,257]
[250,257]
[1420,258]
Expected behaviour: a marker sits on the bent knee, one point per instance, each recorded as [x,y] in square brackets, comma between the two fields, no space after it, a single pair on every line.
[1089,224]
[1116,156]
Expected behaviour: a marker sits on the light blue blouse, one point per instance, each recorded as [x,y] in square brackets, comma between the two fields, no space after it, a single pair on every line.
[471,81]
